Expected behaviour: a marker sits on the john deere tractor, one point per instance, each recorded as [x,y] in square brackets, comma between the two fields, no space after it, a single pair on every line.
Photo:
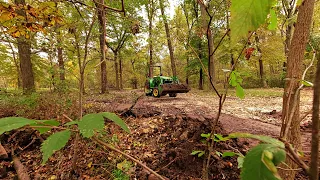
[162,85]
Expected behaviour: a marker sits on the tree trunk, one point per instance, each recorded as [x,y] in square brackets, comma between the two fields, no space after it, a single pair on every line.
[173,64]
[115,58]
[187,71]
[201,79]
[261,71]
[16,63]
[60,61]
[24,51]
[120,72]
[150,17]
[206,28]
[314,170]
[102,39]
[294,73]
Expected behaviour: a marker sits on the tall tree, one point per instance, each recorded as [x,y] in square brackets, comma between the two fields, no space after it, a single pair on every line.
[102,40]
[116,48]
[150,10]
[24,51]
[166,25]
[290,129]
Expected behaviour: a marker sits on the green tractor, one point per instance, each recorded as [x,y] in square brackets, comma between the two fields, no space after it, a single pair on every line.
[162,85]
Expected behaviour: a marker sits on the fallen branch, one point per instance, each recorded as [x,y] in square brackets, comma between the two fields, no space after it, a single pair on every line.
[107,146]
[20,169]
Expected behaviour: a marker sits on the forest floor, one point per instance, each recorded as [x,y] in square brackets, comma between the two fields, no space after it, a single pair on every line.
[164,132]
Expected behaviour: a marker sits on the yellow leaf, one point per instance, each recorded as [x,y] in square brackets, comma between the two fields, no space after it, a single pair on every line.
[53,177]
[89,165]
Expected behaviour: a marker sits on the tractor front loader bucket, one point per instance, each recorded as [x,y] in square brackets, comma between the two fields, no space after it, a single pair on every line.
[174,88]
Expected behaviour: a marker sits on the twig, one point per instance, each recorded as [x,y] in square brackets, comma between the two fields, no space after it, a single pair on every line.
[53,127]
[295,156]
[32,141]
[298,169]
[305,115]
[107,146]
[167,164]
[20,169]
[64,115]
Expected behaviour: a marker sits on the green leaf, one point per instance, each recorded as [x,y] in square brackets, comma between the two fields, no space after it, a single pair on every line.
[71,123]
[233,79]
[299,2]
[239,91]
[218,153]
[201,154]
[240,161]
[11,123]
[228,154]
[44,123]
[254,165]
[273,20]
[116,119]
[307,83]
[54,143]
[205,135]
[247,15]
[194,152]
[265,139]
[91,123]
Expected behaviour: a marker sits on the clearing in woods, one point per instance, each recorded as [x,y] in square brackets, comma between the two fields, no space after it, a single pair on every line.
[164,131]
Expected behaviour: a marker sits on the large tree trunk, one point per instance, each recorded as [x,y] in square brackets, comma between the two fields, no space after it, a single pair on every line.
[173,63]
[24,51]
[314,165]
[291,100]
[150,17]
[102,39]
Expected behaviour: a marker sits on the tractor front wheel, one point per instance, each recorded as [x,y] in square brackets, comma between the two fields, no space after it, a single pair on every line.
[155,92]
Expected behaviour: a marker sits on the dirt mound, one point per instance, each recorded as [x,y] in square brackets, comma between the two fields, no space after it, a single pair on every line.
[167,143]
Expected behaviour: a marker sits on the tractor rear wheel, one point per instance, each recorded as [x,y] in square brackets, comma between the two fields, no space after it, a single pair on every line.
[155,92]
[173,94]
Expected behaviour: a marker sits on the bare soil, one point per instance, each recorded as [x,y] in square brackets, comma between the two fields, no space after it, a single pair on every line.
[165,131]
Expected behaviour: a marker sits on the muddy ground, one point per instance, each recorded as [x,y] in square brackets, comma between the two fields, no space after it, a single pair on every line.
[164,131]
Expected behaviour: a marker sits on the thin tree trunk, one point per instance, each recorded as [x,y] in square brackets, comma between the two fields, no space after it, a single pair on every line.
[206,28]
[201,70]
[102,39]
[291,101]
[61,62]
[173,64]
[24,51]
[187,71]
[16,63]
[261,70]
[201,79]
[115,58]
[120,72]
[150,17]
